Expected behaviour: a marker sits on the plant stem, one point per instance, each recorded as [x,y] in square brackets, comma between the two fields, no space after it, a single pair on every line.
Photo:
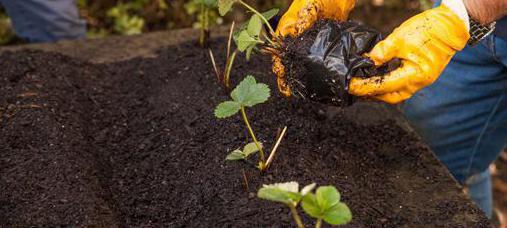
[206,19]
[228,68]
[262,157]
[269,40]
[319,223]
[260,15]
[295,216]
[215,67]
[203,26]
[229,42]
[273,151]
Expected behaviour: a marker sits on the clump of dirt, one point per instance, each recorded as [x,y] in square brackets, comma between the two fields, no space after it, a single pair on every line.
[320,62]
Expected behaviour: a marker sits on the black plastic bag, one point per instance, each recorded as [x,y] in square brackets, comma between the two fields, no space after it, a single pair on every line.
[320,63]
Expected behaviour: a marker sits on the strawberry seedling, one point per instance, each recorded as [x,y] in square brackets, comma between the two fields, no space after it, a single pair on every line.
[248,94]
[238,154]
[323,205]
[207,16]
[250,36]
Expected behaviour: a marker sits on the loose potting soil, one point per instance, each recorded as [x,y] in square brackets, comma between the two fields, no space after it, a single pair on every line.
[135,144]
[320,62]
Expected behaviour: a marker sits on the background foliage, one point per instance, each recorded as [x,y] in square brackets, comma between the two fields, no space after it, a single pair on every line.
[106,17]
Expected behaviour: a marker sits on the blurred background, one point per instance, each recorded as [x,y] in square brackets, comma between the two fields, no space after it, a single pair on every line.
[121,17]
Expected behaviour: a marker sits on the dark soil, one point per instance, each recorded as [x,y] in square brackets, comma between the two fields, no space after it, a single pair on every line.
[135,144]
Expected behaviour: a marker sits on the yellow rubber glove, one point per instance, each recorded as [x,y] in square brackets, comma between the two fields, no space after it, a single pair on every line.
[299,17]
[425,44]
[303,13]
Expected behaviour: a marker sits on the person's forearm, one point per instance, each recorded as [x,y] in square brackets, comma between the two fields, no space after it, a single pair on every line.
[486,11]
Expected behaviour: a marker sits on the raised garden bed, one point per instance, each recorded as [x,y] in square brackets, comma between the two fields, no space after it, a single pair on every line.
[135,144]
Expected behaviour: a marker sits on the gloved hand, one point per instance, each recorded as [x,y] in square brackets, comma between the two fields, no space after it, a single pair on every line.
[303,13]
[299,17]
[425,44]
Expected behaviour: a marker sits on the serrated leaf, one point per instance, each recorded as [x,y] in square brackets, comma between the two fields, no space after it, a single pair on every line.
[278,195]
[311,206]
[249,93]
[224,6]
[235,155]
[241,91]
[327,197]
[244,40]
[227,109]
[258,93]
[270,13]
[339,214]
[254,26]
[250,148]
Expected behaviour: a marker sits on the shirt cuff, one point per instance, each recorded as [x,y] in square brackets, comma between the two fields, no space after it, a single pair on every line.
[458,7]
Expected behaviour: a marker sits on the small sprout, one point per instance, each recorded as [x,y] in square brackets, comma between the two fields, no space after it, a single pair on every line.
[287,193]
[225,75]
[238,154]
[205,10]
[249,36]
[323,205]
[248,94]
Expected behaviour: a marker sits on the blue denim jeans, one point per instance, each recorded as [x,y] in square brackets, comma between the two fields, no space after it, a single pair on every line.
[45,20]
[463,115]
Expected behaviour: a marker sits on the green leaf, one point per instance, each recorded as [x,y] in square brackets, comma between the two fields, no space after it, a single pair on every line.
[248,52]
[327,197]
[291,186]
[224,6]
[311,206]
[325,204]
[307,189]
[278,195]
[339,214]
[210,3]
[240,93]
[250,148]
[254,26]
[227,109]
[235,155]
[249,93]
[258,93]
[244,40]
[270,13]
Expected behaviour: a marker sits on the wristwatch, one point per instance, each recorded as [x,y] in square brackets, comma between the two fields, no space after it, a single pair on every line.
[478,31]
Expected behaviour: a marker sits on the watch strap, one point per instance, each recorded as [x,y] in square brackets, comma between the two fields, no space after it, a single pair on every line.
[479,31]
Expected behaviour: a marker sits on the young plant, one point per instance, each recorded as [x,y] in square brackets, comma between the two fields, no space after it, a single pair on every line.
[287,193]
[324,204]
[206,17]
[248,94]
[238,154]
[249,37]
[225,75]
